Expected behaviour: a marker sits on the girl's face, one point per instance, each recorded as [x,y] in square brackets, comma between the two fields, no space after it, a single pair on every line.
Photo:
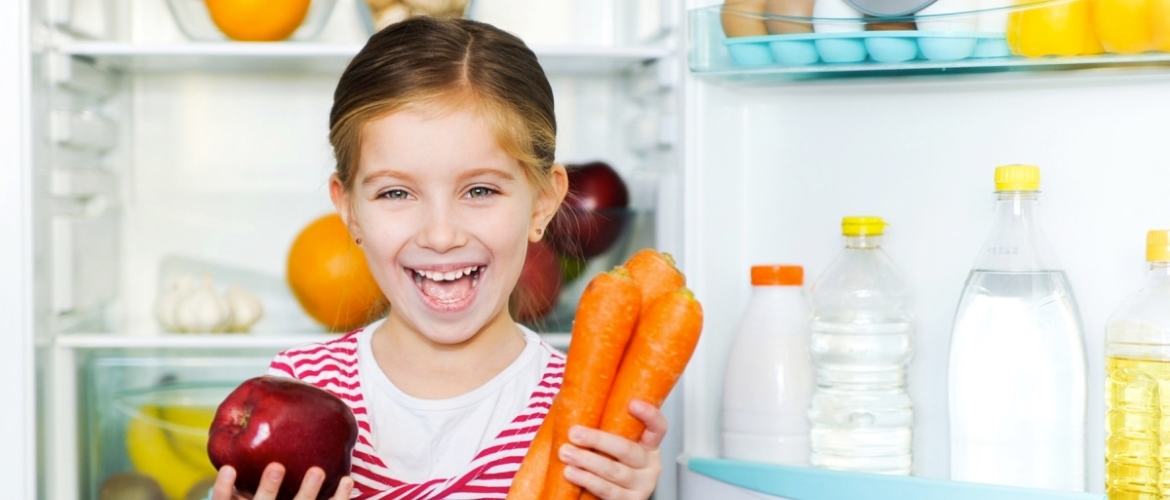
[445,217]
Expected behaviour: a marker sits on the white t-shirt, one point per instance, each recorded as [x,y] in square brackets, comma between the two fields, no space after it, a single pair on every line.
[420,439]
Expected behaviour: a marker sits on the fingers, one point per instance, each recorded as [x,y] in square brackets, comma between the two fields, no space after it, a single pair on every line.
[596,485]
[654,421]
[343,489]
[270,483]
[606,478]
[624,450]
[311,484]
[608,465]
[224,482]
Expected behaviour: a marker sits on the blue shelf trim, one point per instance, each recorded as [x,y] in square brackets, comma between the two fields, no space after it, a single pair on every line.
[805,483]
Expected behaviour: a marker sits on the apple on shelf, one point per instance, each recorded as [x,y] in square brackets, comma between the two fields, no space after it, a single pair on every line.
[594,213]
[539,285]
[275,419]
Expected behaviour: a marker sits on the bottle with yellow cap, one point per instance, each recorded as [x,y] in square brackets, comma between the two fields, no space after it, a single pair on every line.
[1017,356]
[769,377]
[862,321]
[1137,364]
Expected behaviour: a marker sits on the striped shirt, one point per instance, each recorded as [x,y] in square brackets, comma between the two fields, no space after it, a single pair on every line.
[333,366]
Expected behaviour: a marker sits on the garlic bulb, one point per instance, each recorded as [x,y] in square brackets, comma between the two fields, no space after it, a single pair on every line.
[202,310]
[245,308]
[164,307]
[191,308]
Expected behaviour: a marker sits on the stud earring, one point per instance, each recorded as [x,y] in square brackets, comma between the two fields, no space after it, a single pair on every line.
[358,241]
[539,231]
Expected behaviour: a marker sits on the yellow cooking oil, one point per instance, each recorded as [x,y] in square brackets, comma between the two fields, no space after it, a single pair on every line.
[1137,447]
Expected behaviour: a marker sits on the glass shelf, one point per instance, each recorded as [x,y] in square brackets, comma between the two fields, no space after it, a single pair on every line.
[275,341]
[319,57]
[808,483]
[837,53]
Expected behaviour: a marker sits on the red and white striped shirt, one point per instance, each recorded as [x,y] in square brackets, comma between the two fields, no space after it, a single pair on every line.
[333,366]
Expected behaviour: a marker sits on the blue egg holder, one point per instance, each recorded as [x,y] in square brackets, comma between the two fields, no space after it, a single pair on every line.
[865,46]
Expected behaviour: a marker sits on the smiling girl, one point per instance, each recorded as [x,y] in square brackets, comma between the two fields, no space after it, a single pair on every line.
[444,136]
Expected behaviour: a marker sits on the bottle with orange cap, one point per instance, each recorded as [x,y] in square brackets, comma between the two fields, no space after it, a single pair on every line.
[1137,366]
[769,377]
[861,417]
[1017,372]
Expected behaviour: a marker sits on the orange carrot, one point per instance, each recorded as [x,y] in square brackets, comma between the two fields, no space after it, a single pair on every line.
[655,359]
[528,483]
[606,316]
[655,273]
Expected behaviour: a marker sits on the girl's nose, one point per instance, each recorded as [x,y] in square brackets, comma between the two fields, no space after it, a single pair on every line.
[443,230]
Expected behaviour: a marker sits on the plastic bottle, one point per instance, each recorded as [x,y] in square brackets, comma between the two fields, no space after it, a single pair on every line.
[1137,364]
[1017,355]
[769,378]
[861,416]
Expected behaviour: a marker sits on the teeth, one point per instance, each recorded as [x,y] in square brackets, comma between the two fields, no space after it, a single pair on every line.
[447,276]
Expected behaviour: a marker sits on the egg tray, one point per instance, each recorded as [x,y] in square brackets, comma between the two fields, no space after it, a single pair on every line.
[872,46]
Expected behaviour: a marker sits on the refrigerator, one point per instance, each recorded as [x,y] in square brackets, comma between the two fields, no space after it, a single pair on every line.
[135,152]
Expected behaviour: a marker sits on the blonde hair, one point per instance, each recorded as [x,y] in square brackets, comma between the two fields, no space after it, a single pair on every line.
[435,65]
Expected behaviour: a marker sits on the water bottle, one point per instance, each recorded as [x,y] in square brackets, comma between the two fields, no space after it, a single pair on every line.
[1137,364]
[861,415]
[1017,357]
[769,378]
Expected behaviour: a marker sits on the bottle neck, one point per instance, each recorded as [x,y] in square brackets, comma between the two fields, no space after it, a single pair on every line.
[1159,271]
[1017,242]
[864,241]
[1016,207]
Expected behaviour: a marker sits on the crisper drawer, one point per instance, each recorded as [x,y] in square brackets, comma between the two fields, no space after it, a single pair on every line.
[147,415]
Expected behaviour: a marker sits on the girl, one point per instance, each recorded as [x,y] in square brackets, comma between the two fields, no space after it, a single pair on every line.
[444,135]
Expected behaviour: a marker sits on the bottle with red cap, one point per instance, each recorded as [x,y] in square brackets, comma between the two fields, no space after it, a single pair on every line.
[769,378]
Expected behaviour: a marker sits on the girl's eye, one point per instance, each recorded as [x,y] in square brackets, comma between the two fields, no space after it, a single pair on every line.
[480,192]
[395,194]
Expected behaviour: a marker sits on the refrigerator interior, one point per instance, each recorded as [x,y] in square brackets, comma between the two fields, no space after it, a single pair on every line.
[154,155]
[773,164]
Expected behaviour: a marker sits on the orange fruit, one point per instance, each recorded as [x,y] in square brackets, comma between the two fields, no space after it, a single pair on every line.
[329,277]
[258,20]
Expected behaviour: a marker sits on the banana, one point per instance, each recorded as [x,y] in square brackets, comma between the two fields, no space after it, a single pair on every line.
[186,428]
[152,454]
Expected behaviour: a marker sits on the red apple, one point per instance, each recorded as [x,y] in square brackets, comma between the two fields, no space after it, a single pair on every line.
[595,186]
[276,419]
[594,212]
[540,283]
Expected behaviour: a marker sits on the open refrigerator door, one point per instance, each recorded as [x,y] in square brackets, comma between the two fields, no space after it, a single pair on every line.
[18,428]
[779,148]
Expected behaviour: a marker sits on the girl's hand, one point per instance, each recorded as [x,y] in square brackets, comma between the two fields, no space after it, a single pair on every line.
[633,471]
[270,484]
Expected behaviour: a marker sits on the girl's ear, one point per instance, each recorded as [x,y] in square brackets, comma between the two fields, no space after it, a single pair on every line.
[344,206]
[548,201]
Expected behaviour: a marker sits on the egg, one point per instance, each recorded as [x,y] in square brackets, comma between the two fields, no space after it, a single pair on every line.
[789,8]
[836,16]
[878,24]
[927,21]
[995,15]
[743,18]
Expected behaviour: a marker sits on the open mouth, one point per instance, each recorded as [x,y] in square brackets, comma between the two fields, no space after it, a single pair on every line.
[447,288]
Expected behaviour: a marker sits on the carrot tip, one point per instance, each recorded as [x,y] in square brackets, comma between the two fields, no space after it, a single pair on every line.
[668,258]
[621,271]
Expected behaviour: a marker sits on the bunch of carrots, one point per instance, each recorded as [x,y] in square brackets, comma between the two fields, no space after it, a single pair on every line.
[634,333]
